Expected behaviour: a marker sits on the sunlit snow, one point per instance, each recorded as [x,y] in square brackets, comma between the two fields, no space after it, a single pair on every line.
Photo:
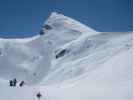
[68,61]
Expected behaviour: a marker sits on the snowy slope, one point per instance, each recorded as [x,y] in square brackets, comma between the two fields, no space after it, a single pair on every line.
[68,61]
[25,61]
[87,54]
[31,58]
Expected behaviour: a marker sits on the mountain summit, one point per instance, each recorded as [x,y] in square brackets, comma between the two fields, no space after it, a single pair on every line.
[62,29]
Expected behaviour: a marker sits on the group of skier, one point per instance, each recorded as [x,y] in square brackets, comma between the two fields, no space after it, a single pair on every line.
[14,82]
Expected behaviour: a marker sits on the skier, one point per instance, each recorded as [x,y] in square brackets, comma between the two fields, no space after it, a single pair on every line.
[22,83]
[11,83]
[39,95]
[14,82]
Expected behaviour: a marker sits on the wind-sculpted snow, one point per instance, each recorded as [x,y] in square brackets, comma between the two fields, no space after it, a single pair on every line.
[87,54]
[68,61]
[30,59]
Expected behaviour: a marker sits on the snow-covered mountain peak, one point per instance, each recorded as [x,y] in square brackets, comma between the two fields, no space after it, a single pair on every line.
[59,21]
[60,29]
[71,60]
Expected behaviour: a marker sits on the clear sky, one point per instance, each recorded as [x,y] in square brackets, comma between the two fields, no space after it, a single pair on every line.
[21,18]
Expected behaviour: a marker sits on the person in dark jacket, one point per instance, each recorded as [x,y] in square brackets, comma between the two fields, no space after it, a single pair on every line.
[11,83]
[14,82]
[22,83]
[39,95]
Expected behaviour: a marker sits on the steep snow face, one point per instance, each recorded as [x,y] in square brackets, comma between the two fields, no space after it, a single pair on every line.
[61,29]
[86,54]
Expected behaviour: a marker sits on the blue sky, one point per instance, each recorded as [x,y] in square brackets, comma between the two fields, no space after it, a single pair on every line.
[22,18]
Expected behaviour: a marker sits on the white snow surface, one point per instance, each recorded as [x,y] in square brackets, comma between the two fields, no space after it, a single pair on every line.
[70,61]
